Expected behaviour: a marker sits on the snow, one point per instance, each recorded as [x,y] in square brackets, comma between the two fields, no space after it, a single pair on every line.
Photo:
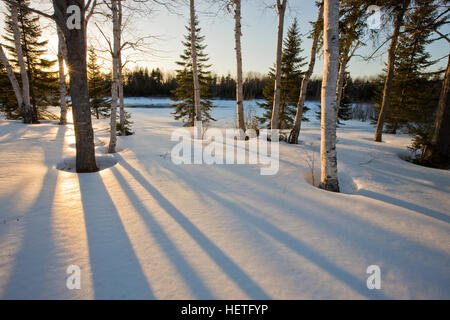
[146,228]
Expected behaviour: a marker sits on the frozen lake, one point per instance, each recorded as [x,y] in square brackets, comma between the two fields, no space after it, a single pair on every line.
[224,112]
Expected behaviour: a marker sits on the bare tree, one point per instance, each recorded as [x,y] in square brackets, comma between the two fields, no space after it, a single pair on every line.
[239,77]
[329,174]
[281,9]
[400,8]
[27,113]
[439,150]
[12,78]
[295,132]
[197,105]
[62,56]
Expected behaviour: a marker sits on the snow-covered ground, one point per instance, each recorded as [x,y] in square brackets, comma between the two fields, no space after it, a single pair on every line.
[149,229]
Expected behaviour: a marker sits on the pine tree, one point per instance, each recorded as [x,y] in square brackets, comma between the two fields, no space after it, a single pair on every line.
[43,80]
[413,97]
[291,75]
[98,88]
[184,94]
[8,102]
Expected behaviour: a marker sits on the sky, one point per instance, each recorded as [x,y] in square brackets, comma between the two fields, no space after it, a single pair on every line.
[259,28]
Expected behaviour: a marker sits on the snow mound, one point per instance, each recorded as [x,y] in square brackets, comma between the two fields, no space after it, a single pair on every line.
[103,162]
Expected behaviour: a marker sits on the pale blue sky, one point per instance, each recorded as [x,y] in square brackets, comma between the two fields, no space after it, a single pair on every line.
[259,37]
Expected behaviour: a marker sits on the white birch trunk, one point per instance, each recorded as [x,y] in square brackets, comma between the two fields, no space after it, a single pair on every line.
[197,105]
[239,77]
[329,176]
[27,113]
[115,80]
[295,132]
[281,9]
[62,56]
[12,78]
[120,73]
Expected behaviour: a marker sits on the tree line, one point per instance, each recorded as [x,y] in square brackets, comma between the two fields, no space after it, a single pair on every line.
[407,94]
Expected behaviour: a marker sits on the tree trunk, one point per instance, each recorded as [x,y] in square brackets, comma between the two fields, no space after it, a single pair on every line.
[295,132]
[197,107]
[115,82]
[27,112]
[76,60]
[120,71]
[62,56]
[281,9]
[12,79]
[390,72]
[439,151]
[329,177]
[239,82]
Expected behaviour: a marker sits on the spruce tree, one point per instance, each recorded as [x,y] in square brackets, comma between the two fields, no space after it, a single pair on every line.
[413,97]
[8,101]
[98,88]
[291,76]
[43,79]
[184,94]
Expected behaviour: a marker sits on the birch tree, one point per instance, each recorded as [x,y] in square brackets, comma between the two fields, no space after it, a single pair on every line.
[12,78]
[281,9]
[399,9]
[72,17]
[62,56]
[27,112]
[329,175]
[197,103]
[295,132]
[115,83]
[239,77]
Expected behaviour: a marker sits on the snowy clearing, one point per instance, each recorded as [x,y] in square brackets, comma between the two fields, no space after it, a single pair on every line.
[148,229]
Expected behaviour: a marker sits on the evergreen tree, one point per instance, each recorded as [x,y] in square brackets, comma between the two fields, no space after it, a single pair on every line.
[43,80]
[413,97]
[8,101]
[184,94]
[291,75]
[98,88]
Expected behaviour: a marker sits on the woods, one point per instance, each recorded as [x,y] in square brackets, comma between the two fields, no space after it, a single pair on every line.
[285,89]
[224,149]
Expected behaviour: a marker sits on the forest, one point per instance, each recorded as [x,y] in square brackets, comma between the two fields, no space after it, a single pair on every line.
[123,178]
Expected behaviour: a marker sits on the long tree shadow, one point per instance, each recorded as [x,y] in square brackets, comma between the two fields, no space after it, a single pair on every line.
[295,245]
[252,289]
[36,259]
[403,204]
[189,274]
[116,271]
[354,229]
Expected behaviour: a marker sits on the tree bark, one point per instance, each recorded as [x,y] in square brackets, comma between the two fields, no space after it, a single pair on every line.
[27,112]
[12,79]
[62,56]
[115,82]
[239,77]
[390,73]
[76,60]
[281,9]
[439,150]
[295,132]
[120,71]
[197,106]
[329,177]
